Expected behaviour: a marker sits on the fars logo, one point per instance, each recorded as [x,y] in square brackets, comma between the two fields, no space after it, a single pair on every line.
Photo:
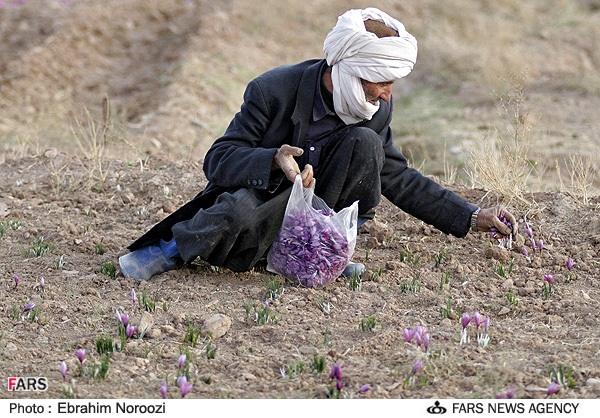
[27,384]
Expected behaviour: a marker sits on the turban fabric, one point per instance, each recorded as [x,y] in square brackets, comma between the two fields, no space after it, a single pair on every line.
[354,53]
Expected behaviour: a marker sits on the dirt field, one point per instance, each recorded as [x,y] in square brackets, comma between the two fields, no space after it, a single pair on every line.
[67,213]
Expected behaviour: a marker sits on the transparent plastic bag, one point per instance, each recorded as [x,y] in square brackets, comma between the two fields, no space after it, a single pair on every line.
[314,244]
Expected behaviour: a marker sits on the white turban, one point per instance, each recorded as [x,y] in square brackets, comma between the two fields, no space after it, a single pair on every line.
[354,53]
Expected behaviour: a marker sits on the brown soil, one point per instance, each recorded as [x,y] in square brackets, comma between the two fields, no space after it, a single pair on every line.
[167,67]
[79,303]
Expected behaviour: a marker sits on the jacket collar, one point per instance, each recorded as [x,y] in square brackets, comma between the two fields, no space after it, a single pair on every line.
[305,100]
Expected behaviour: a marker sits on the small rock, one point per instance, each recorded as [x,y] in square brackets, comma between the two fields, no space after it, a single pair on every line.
[248,376]
[127,197]
[504,311]
[593,383]
[508,283]
[554,319]
[146,323]
[217,325]
[394,265]
[153,333]
[446,323]
[168,329]
[497,253]
[306,350]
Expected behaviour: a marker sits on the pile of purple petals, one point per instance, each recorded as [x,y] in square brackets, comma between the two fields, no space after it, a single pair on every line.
[505,241]
[310,249]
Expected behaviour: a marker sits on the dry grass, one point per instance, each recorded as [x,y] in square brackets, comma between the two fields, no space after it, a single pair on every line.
[582,171]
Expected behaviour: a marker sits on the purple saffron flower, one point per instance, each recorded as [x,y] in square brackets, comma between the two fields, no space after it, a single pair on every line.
[185,388]
[336,372]
[133,297]
[553,387]
[416,367]
[478,318]
[420,330]
[124,319]
[339,385]
[486,324]
[364,388]
[16,280]
[118,315]
[80,353]
[528,230]
[540,245]
[409,334]
[426,339]
[43,283]
[525,252]
[419,338]
[549,277]
[29,306]
[465,318]
[533,244]
[180,380]
[130,330]
[182,360]
[570,263]
[511,392]
[164,389]
[63,370]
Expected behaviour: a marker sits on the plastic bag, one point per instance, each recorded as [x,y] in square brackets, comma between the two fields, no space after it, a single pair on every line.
[314,244]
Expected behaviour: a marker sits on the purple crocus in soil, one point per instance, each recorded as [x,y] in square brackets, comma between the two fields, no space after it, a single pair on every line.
[336,372]
[364,388]
[416,367]
[185,388]
[549,277]
[180,380]
[43,283]
[528,230]
[486,324]
[420,330]
[29,306]
[63,370]
[182,360]
[570,263]
[80,353]
[130,330]
[553,387]
[124,319]
[339,385]
[465,318]
[540,245]
[511,392]
[164,389]
[16,280]
[409,334]
[426,339]
[525,253]
[478,318]
[133,296]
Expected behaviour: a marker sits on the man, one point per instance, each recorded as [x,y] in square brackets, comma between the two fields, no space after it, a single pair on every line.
[331,117]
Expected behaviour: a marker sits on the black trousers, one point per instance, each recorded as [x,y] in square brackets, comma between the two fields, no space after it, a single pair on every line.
[238,229]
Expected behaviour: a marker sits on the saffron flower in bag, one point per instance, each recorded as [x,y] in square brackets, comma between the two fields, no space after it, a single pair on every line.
[314,244]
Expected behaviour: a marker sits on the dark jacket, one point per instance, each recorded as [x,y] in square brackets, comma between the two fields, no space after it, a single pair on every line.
[277,109]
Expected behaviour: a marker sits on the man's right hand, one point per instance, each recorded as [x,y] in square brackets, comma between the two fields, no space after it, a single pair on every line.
[284,160]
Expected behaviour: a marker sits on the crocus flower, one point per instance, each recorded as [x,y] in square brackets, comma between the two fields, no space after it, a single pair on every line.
[478,318]
[182,360]
[549,277]
[43,283]
[29,306]
[570,263]
[164,389]
[16,280]
[133,297]
[465,318]
[525,253]
[409,334]
[130,330]
[528,229]
[553,387]
[118,315]
[336,372]
[364,388]
[80,353]
[180,380]
[339,385]
[63,370]
[540,245]
[426,339]
[185,388]
[124,319]
[486,324]
[418,338]
[420,330]
[511,392]
[533,244]
[416,367]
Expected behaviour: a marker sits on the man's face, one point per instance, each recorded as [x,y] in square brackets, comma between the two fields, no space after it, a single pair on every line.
[376,91]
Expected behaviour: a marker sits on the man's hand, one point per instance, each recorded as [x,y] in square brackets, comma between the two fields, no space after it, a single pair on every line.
[284,159]
[488,219]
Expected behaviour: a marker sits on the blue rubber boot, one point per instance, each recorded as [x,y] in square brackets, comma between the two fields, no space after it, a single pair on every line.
[149,261]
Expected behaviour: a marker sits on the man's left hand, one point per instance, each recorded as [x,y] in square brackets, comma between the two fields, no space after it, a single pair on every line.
[489,218]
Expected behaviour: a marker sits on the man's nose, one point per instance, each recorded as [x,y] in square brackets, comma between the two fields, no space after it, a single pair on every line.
[386,94]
